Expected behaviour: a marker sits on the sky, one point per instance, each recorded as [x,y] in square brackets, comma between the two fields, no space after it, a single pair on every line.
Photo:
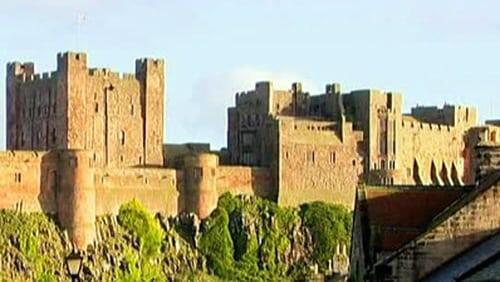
[434,52]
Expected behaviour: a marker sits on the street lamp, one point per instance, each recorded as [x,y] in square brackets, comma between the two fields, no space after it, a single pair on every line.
[74,265]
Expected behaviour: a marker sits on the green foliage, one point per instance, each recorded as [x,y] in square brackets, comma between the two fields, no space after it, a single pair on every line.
[229,203]
[31,238]
[216,243]
[329,225]
[137,220]
[138,269]
[244,239]
[250,221]
[140,266]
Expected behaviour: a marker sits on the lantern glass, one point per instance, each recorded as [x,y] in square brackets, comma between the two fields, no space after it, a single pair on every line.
[74,264]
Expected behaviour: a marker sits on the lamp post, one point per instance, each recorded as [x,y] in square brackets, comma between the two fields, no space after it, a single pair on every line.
[74,265]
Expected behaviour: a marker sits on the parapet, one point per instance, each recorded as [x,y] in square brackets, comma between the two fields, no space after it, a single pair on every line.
[495,122]
[15,69]
[71,58]
[333,88]
[146,64]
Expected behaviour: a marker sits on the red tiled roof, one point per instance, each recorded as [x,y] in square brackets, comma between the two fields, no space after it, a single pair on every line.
[400,214]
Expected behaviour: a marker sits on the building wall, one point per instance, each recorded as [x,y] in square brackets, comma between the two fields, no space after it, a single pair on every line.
[315,164]
[158,189]
[246,180]
[27,182]
[118,116]
[430,154]
[35,109]
[463,228]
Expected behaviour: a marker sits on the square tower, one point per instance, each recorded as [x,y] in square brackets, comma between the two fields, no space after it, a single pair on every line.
[117,116]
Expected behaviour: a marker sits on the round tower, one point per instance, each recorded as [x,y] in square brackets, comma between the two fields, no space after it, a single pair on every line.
[76,196]
[200,177]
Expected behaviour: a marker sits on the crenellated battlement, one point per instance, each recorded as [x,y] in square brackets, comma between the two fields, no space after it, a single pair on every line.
[424,126]
[109,74]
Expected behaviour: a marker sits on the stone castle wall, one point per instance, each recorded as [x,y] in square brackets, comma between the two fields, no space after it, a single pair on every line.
[117,116]
[27,181]
[315,164]
[430,154]
[68,183]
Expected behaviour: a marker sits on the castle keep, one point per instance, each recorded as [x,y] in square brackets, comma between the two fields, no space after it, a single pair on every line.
[83,141]
[117,116]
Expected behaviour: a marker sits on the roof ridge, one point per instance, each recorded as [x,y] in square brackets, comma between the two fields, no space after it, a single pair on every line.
[446,213]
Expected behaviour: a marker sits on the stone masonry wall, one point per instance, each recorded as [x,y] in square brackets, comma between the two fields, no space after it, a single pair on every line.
[158,189]
[465,227]
[117,116]
[245,180]
[27,182]
[431,154]
[315,165]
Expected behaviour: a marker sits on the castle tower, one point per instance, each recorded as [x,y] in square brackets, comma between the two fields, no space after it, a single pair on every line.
[151,75]
[76,196]
[71,87]
[15,71]
[200,179]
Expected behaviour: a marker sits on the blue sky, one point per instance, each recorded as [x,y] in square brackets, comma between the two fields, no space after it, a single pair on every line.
[432,51]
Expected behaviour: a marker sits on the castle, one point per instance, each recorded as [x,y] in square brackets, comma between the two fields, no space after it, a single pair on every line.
[83,141]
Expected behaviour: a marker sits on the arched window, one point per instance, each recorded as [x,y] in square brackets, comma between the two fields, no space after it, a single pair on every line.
[493,136]
[416,173]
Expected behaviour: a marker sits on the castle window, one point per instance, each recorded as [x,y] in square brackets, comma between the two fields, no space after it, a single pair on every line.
[287,155]
[96,107]
[132,110]
[122,137]
[140,160]
[39,110]
[53,136]
[121,158]
[353,162]
[197,172]
[333,158]
[493,136]
[54,107]
[311,156]
[17,177]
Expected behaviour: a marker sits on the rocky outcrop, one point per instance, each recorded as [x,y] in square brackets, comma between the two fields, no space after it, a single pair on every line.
[263,242]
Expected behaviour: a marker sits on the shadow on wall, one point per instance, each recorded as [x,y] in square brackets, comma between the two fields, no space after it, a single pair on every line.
[47,196]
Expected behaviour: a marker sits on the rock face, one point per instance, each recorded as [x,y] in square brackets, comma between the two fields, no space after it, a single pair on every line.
[262,241]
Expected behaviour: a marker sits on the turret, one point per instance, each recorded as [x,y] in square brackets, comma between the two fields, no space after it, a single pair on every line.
[76,196]
[200,177]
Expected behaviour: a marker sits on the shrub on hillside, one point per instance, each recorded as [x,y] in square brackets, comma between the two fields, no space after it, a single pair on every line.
[330,225]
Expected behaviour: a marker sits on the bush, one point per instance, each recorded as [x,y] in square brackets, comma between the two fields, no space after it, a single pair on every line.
[138,221]
[34,238]
[216,244]
[329,225]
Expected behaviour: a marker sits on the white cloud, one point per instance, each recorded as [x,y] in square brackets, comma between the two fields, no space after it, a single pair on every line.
[214,93]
